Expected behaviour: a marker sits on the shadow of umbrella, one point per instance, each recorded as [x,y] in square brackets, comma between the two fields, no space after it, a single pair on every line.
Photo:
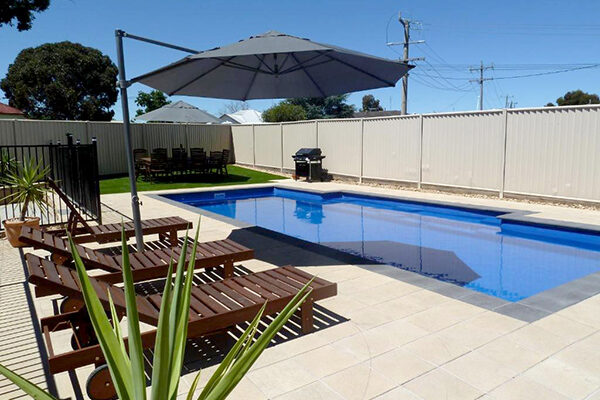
[443,265]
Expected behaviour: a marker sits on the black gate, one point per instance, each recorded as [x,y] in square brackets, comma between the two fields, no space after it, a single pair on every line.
[74,168]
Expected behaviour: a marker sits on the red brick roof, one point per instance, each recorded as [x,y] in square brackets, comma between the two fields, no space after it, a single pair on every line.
[6,109]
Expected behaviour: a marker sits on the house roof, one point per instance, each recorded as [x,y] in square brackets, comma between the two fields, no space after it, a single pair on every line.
[245,117]
[6,109]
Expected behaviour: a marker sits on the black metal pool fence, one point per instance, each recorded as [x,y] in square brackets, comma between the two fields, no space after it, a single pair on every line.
[73,166]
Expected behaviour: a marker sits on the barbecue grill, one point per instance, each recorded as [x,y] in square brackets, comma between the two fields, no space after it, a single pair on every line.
[309,164]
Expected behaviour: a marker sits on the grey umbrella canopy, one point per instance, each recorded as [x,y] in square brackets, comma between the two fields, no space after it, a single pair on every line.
[274,65]
[179,111]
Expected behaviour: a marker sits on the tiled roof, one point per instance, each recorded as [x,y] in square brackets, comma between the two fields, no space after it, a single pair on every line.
[6,109]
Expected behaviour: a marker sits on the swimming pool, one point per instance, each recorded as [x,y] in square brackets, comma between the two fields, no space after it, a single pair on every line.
[468,247]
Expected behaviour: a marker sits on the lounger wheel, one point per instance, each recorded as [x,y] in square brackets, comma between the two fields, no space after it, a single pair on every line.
[69,304]
[99,385]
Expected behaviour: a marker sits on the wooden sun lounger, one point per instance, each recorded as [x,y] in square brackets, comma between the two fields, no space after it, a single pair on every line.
[213,308]
[145,265]
[166,227]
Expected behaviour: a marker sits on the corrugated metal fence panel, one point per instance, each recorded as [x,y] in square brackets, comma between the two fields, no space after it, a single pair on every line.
[6,131]
[296,136]
[209,137]
[166,136]
[111,147]
[267,139]
[463,150]
[554,152]
[391,148]
[43,132]
[243,143]
[340,142]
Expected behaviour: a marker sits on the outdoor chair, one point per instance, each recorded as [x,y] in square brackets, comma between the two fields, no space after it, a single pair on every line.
[166,227]
[138,154]
[179,160]
[198,162]
[225,161]
[214,161]
[214,307]
[159,164]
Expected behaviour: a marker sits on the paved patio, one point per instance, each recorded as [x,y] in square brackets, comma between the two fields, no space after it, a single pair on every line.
[388,334]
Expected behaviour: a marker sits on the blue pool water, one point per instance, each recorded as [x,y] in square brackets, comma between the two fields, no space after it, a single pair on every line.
[471,248]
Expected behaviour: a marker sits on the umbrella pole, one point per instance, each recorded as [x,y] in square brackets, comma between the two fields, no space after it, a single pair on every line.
[135,203]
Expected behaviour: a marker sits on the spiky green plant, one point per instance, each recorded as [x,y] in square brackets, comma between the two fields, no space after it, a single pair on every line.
[126,367]
[27,186]
[7,164]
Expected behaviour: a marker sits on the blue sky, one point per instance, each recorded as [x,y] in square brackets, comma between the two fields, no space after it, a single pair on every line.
[509,34]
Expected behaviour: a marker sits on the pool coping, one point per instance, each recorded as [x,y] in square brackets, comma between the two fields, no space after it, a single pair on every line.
[529,309]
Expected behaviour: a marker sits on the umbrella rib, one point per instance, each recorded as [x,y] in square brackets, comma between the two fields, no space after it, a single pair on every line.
[294,69]
[308,75]
[263,63]
[243,67]
[199,77]
[360,70]
[299,64]
[253,77]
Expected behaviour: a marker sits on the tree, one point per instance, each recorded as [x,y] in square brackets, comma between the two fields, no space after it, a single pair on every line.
[370,103]
[62,81]
[325,107]
[576,97]
[283,112]
[150,101]
[234,106]
[22,11]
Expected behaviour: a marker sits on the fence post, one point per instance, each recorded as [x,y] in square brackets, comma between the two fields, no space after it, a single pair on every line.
[420,151]
[505,134]
[253,147]
[317,132]
[14,129]
[281,133]
[362,148]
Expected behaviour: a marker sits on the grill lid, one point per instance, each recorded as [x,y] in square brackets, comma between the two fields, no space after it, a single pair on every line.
[310,152]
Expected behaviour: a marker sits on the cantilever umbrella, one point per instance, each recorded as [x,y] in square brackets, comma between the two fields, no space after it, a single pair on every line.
[274,65]
[268,66]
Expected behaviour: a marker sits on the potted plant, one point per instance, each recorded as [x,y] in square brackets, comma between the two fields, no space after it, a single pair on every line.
[26,186]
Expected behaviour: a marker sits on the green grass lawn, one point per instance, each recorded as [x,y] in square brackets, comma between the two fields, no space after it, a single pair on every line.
[237,176]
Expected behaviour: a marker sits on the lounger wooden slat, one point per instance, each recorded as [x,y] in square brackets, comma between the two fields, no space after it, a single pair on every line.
[302,276]
[233,294]
[242,291]
[279,284]
[217,295]
[199,307]
[286,280]
[52,273]
[265,294]
[208,301]
[264,283]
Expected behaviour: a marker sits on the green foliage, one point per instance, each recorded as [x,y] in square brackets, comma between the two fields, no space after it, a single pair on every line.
[127,368]
[283,112]
[64,81]
[150,101]
[325,107]
[7,164]
[370,103]
[312,107]
[576,97]
[22,11]
[27,182]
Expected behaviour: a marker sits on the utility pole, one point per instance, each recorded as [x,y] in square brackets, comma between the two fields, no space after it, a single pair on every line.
[406,24]
[481,79]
